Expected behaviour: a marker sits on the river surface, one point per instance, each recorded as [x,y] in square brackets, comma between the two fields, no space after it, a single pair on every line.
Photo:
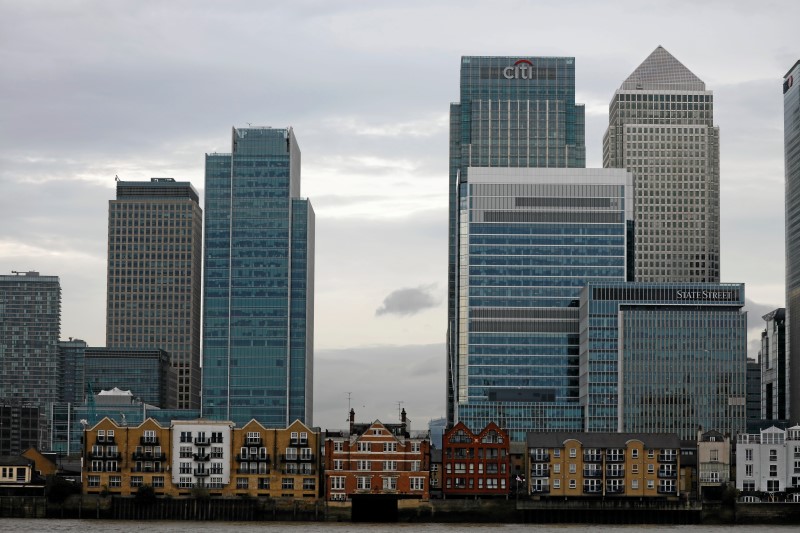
[119,526]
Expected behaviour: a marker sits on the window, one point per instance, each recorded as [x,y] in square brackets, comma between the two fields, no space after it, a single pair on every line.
[242,483]
[338,446]
[390,483]
[338,464]
[305,454]
[93,481]
[651,468]
[773,485]
[216,452]
[185,452]
[364,465]
[714,455]
[417,483]
[651,454]
[363,446]
[748,470]
[773,470]
[415,447]
[101,435]
[309,483]
[390,465]
[573,453]
[557,468]
[158,482]
[377,432]
[556,483]
[363,483]
[634,453]
[634,469]
[557,452]
[294,436]
[748,454]
[337,483]
[773,455]
[573,484]
[390,446]
[303,437]
[263,483]
[291,454]
[287,483]
[573,468]
[651,484]
[634,483]
[416,464]
[137,481]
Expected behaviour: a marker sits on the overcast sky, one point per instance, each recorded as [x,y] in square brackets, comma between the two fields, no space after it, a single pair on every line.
[140,89]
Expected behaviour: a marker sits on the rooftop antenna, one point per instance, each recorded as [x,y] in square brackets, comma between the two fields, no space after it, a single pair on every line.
[399,409]
[349,394]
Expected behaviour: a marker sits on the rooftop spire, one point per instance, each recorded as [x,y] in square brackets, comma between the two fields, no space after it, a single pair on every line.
[662,72]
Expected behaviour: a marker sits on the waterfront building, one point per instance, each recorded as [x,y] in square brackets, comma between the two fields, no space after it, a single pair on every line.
[713,461]
[147,373]
[608,465]
[178,457]
[475,464]
[661,128]
[791,150]
[767,461]
[154,275]
[30,326]
[376,459]
[530,239]
[774,371]
[512,112]
[663,357]
[259,282]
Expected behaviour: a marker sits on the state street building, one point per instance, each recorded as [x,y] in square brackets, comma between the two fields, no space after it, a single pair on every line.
[663,357]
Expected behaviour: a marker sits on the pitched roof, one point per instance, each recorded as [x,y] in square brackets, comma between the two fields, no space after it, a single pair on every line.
[662,72]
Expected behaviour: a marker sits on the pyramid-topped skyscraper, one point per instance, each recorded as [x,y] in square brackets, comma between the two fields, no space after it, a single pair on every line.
[661,128]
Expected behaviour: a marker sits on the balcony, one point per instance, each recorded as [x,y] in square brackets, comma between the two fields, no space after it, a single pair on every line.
[667,458]
[252,472]
[592,490]
[615,458]
[540,472]
[593,458]
[666,490]
[251,441]
[154,468]
[252,458]
[286,458]
[615,490]
[148,456]
[201,473]
[201,441]
[106,455]
[308,472]
[201,457]
[149,441]
[540,457]
[540,489]
[667,474]
[596,473]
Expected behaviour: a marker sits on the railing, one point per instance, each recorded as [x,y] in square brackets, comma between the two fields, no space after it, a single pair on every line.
[615,458]
[201,441]
[540,457]
[592,490]
[148,468]
[615,490]
[148,456]
[539,472]
[253,442]
[593,473]
[667,458]
[615,473]
[663,474]
[201,457]
[593,457]
[285,457]
[148,441]
[252,458]
[666,490]
[251,472]
[540,489]
[201,473]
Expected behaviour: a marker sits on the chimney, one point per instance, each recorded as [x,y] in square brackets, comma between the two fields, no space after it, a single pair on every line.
[403,420]
[352,419]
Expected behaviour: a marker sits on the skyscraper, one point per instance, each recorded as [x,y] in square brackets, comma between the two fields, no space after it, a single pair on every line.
[791,148]
[154,275]
[513,112]
[30,325]
[774,371]
[259,282]
[661,128]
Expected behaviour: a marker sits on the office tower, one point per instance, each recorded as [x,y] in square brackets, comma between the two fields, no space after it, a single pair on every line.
[145,372]
[259,283]
[71,383]
[663,357]
[753,394]
[791,149]
[513,112]
[30,324]
[661,128]
[529,240]
[154,275]
[774,371]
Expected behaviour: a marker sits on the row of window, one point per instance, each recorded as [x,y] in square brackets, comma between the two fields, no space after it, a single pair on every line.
[365,483]
[338,446]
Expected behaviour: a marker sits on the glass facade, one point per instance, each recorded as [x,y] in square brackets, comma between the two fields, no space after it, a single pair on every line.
[774,372]
[154,283]
[663,357]
[71,382]
[259,283]
[513,112]
[30,325]
[661,128]
[147,373]
[791,147]
[529,240]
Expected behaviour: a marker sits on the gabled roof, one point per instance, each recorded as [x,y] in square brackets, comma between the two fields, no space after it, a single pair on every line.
[556,439]
[662,72]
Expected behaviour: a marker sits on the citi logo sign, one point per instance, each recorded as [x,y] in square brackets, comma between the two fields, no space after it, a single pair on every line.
[521,70]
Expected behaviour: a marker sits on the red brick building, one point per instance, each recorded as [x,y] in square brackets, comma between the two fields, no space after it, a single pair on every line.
[377,458]
[475,464]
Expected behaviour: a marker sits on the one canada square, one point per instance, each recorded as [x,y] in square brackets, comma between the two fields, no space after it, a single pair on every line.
[661,128]
[528,227]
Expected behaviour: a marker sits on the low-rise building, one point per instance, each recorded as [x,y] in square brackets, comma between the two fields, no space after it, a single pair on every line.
[713,459]
[768,461]
[377,459]
[622,465]
[213,456]
[475,464]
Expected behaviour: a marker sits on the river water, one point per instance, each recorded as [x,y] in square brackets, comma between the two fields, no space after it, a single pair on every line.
[116,526]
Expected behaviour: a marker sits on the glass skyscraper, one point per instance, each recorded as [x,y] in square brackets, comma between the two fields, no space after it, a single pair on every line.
[661,128]
[774,371]
[258,308]
[154,266]
[663,357]
[529,239]
[30,325]
[513,112]
[791,147]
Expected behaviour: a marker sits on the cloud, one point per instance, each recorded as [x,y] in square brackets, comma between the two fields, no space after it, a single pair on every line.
[408,301]
[755,312]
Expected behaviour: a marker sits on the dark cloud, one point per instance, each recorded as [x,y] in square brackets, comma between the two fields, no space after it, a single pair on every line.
[408,301]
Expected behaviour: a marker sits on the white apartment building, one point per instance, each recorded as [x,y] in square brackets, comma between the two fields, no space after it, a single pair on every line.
[768,461]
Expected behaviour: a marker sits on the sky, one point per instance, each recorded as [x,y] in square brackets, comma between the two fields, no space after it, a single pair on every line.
[90,90]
